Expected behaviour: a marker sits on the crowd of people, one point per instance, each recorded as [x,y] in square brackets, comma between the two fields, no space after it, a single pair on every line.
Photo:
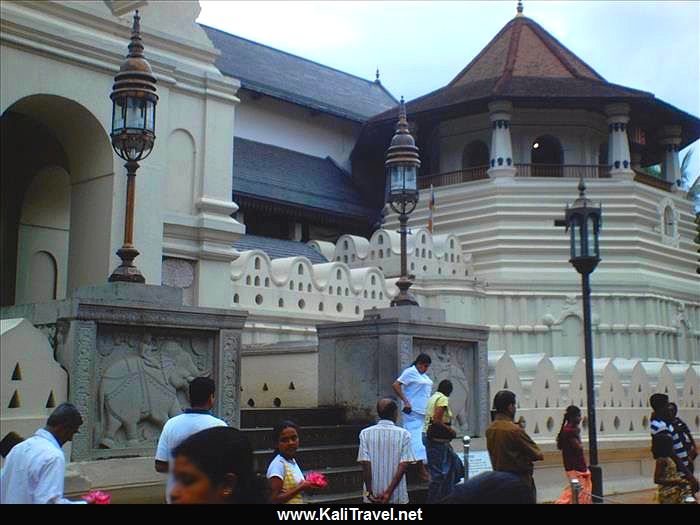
[207,461]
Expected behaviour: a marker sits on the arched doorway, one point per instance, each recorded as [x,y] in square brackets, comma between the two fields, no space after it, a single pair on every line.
[547,157]
[475,154]
[57,176]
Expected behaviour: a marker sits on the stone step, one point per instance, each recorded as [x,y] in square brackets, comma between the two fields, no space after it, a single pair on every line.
[317,435]
[416,495]
[312,458]
[269,417]
[349,478]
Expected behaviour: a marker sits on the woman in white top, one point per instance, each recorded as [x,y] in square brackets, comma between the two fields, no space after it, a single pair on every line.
[414,387]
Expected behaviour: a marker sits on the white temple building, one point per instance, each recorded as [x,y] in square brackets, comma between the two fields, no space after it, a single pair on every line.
[265,192]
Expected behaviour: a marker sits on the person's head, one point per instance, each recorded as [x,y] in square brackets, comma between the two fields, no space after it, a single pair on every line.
[662,445]
[64,422]
[9,442]
[286,438]
[216,466]
[572,416]
[445,387]
[659,404]
[504,403]
[202,392]
[387,409]
[491,488]
[422,363]
[672,410]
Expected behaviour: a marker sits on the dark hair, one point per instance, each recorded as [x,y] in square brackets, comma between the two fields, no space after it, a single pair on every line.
[9,442]
[201,388]
[279,427]
[445,387]
[422,359]
[502,400]
[492,488]
[388,411]
[219,451]
[658,401]
[672,407]
[571,412]
[65,415]
[662,445]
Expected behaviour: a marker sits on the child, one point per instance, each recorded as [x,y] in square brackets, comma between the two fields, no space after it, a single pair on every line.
[287,482]
[569,442]
[672,486]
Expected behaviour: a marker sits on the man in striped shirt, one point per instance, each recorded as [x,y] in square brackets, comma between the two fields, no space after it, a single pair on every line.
[660,422]
[385,453]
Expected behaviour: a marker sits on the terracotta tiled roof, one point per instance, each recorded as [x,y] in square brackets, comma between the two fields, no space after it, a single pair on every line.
[523,60]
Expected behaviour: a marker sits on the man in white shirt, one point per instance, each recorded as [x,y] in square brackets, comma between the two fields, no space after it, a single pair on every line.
[34,469]
[179,428]
[385,453]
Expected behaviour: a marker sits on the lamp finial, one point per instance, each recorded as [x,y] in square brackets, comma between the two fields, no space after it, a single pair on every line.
[136,44]
[519,9]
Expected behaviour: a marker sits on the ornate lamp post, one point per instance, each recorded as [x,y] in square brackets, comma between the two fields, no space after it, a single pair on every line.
[402,163]
[134,102]
[582,221]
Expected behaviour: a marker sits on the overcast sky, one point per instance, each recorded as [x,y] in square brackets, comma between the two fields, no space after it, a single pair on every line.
[420,46]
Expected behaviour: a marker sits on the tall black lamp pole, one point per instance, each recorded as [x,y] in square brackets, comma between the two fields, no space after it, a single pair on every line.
[582,220]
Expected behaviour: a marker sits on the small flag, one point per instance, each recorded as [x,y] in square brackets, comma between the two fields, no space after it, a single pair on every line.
[431,205]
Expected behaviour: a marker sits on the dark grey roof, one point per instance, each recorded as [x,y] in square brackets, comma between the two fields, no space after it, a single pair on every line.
[282,75]
[277,248]
[280,175]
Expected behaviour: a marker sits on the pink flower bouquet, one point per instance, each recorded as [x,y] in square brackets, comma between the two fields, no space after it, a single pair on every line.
[98,497]
[317,479]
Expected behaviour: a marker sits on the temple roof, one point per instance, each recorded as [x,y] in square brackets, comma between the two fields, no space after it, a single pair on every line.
[278,248]
[283,176]
[525,63]
[281,75]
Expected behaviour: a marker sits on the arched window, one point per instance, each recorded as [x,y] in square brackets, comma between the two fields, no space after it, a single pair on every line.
[475,154]
[668,221]
[546,157]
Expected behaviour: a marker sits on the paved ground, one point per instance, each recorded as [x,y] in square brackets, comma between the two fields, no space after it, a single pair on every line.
[632,498]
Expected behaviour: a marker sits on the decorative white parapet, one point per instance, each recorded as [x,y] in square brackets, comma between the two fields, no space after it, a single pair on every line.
[428,256]
[295,286]
[545,386]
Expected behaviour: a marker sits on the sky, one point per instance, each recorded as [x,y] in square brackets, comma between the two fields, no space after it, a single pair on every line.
[419,46]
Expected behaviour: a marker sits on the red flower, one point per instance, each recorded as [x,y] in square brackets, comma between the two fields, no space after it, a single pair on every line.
[316,478]
[98,497]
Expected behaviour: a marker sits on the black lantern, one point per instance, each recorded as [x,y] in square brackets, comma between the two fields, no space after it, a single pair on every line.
[582,220]
[402,163]
[134,102]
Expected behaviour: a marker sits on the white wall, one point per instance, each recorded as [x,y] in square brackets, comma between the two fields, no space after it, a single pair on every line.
[288,126]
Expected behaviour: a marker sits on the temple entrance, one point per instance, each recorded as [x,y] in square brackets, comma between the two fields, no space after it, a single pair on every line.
[56,205]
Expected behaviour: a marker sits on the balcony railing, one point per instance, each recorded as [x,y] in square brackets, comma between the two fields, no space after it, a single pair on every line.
[577,171]
[453,177]
[650,180]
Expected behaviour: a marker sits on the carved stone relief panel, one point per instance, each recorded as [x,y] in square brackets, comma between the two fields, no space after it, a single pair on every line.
[454,361]
[141,378]
[180,273]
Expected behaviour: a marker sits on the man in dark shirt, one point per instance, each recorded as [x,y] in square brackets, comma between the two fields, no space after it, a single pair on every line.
[510,448]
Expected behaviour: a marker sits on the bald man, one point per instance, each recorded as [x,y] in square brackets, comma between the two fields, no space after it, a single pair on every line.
[385,453]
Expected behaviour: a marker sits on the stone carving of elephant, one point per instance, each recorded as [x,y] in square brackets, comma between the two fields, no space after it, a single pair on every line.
[135,388]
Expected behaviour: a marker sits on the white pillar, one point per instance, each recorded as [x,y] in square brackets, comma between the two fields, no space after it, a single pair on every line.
[618,142]
[671,166]
[502,164]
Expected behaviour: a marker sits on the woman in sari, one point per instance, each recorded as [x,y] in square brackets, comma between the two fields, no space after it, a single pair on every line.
[672,486]
[569,442]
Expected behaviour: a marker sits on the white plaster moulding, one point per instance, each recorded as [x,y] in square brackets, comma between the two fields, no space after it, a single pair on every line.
[119,27]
